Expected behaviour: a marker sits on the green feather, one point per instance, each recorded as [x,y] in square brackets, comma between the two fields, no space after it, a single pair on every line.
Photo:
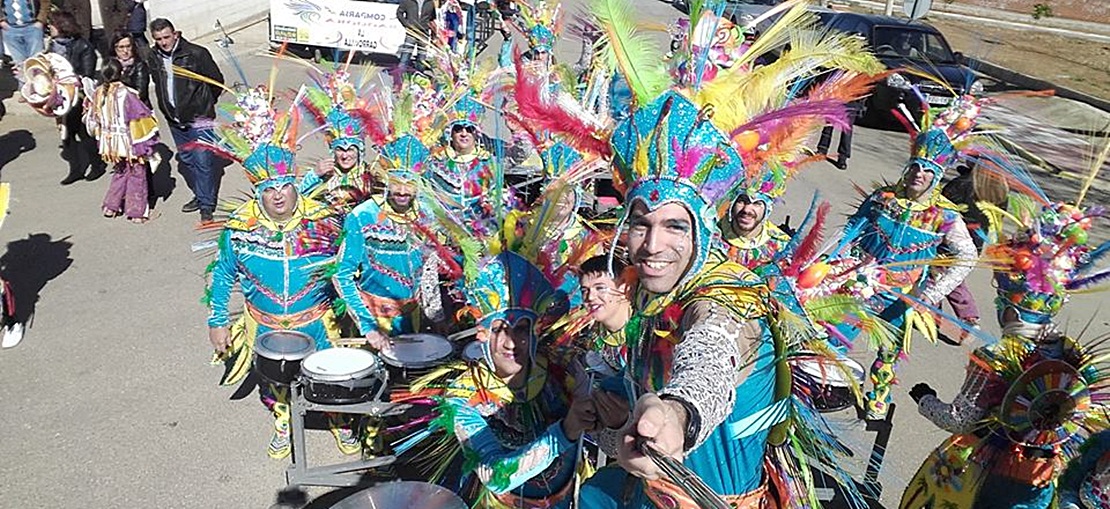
[206,299]
[339,306]
[402,115]
[635,55]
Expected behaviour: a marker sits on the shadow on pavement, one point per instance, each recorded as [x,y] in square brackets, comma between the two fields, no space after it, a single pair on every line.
[14,144]
[162,181]
[8,88]
[29,264]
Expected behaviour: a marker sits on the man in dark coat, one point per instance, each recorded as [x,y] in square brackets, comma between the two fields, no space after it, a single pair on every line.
[189,107]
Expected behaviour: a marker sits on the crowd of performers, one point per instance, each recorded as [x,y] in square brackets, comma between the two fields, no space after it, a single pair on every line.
[670,332]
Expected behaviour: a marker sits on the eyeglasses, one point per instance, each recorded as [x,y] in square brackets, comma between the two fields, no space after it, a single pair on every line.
[460,128]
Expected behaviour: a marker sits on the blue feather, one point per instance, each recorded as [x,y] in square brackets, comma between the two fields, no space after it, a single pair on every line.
[1095,278]
[1094,256]
[978,333]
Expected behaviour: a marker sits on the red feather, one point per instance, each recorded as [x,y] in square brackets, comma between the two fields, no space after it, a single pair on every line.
[454,270]
[549,116]
[215,149]
[807,248]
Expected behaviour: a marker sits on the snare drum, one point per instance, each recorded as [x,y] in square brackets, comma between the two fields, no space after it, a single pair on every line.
[411,355]
[829,387]
[278,355]
[342,376]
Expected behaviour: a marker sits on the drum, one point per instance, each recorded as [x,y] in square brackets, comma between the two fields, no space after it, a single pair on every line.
[278,355]
[473,352]
[342,376]
[829,387]
[411,355]
[403,495]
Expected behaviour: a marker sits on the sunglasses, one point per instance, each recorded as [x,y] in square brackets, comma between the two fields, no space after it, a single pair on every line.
[460,128]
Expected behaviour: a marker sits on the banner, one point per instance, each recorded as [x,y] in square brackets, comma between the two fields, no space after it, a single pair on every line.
[366,26]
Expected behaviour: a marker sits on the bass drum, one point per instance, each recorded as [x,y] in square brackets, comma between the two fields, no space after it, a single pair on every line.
[278,355]
[342,376]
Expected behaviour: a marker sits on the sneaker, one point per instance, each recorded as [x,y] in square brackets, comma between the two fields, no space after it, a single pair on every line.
[13,334]
[280,447]
[346,440]
[190,207]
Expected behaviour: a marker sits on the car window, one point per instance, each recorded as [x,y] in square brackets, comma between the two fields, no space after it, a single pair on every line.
[908,42]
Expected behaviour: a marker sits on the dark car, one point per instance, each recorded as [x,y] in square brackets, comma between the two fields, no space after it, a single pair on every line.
[902,44]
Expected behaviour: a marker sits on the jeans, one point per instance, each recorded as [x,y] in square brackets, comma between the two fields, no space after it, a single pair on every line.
[196,166]
[23,42]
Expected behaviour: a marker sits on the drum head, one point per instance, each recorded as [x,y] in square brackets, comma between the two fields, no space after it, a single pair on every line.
[473,351]
[417,351]
[284,345]
[403,495]
[339,364]
[827,372]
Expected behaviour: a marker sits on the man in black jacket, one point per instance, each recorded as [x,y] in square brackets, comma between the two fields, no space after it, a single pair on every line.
[189,107]
[417,17]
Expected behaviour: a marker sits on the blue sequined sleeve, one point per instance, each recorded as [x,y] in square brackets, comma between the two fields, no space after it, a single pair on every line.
[352,252]
[308,184]
[502,469]
[224,275]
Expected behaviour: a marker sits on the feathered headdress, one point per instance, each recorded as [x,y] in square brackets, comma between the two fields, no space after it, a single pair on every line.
[942,135]
[405,157]
[510,288]
[341,109]
[257,136]
[1048,257]
[541,24]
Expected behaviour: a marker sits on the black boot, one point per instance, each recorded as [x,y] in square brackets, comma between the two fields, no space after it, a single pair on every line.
[72,177]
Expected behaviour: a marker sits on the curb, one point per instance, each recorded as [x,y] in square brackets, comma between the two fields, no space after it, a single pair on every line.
[1031,83]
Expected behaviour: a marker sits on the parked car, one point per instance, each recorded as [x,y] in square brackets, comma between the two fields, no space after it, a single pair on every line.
[910,45]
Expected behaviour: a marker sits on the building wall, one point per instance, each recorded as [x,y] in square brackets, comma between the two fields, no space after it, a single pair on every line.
[1097,11]
[198,17]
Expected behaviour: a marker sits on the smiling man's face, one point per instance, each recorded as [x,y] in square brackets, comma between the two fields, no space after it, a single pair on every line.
[661,243]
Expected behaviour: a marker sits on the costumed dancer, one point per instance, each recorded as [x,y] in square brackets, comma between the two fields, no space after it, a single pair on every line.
[126,132]
[1085,482]
[336,104]
[272,246]
[384,274]
[1029,399]
[900,228]
[462,169]
[704,363]
[508,415]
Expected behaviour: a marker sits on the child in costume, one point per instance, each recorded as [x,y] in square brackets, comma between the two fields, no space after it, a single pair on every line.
[126,132]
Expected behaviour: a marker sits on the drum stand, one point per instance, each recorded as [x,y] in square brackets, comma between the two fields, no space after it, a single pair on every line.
[344,475]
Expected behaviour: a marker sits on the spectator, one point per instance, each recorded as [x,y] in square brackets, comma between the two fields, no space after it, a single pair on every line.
[416,16]
[136,72]
[78,147]
[81,10]
[844,147]
[189,107]
[136,25]
[22,23]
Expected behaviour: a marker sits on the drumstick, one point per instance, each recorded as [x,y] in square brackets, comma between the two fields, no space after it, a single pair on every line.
[581,443]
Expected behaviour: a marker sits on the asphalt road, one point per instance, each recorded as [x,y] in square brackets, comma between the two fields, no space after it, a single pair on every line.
[109,402]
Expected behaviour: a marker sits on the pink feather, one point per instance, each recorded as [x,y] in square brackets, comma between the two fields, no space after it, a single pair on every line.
[807,248]
[549,116]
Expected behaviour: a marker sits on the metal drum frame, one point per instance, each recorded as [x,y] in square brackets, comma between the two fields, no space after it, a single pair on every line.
[343,475]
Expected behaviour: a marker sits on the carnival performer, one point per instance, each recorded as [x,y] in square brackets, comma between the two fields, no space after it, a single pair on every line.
[752,240]
[272,246]
[505,411]
[344,180]
[1031,397]
[462,169]
[383,273]
[902,226]
[702,356]
[1083,484]
[126,132]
